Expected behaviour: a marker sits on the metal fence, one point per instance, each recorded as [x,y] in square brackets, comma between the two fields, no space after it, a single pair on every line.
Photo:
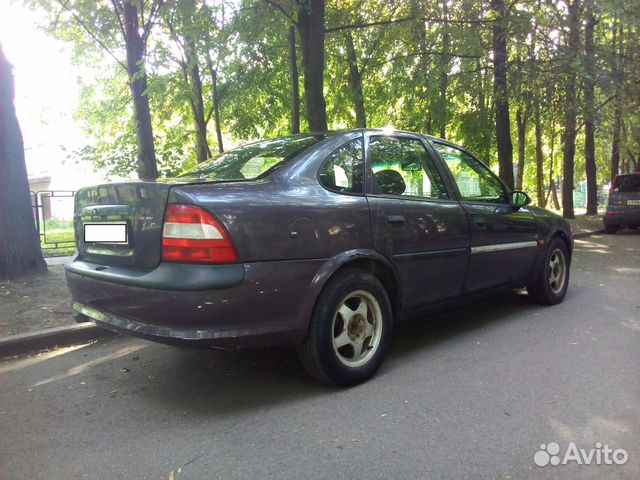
[43,203]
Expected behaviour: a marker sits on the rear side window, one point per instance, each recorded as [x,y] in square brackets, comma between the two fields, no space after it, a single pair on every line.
[253,160]
[402,166]
[343,170]
[627,183]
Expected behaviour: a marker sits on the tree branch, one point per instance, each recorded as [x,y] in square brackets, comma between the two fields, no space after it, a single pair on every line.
[92,35]
[365,61]
[118,17]
[275,4]
[155,8]
[354,26]
[428,52]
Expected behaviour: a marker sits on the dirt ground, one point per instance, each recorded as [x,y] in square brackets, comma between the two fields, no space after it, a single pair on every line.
[34,303]
[584,223]
[43,301]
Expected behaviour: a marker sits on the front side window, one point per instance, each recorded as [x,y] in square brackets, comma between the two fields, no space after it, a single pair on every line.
[402,166]
[253,160]
[343,170]
[475,181]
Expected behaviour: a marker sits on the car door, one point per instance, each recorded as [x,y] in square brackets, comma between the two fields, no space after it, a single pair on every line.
[503,238]
[415,220]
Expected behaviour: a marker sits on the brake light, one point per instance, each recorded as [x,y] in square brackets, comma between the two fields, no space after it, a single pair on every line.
[191,234]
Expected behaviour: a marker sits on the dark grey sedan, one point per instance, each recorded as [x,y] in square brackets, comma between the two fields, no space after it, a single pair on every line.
[322,241]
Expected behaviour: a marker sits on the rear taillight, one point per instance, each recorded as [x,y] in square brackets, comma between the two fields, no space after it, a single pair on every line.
[191,234]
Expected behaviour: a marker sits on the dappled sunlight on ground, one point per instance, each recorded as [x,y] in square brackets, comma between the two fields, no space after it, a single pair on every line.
[79,369]
[632,323]
[11,366]
[592,245]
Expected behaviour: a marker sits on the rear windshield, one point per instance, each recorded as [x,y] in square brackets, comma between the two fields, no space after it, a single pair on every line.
[627,183]
[253,160]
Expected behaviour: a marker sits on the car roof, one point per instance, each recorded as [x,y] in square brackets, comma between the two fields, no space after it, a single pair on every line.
[385,131]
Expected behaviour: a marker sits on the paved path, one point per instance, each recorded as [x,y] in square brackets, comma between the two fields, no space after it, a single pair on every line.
[473,394]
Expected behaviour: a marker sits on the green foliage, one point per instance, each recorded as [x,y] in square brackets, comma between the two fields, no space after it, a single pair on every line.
[418,73]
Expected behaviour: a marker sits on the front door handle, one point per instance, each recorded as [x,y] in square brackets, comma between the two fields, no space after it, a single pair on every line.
[396,220]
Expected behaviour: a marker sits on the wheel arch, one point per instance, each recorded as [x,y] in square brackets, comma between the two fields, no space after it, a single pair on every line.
[555,233]
[368,261]
[566,238]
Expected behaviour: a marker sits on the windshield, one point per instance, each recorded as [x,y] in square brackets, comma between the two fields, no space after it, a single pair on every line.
[627,183]
[253,160]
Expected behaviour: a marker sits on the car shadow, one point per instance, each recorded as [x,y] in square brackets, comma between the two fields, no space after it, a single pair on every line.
[203,381]
[422,333]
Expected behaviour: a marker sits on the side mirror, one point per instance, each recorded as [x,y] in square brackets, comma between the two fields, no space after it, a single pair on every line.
[519,199]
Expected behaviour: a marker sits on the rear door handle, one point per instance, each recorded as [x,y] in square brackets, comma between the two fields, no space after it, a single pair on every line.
[397,220]
[480,223]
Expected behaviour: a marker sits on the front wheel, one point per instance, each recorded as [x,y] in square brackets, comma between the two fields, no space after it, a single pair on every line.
[350,330]
[550,287]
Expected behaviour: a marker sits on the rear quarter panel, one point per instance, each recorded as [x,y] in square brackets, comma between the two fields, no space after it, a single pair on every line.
[289,215]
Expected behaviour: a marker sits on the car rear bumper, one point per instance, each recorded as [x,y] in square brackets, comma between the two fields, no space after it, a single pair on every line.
[249,305]
[614,217]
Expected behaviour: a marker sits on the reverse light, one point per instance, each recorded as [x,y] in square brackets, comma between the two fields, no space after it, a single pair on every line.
[191,234]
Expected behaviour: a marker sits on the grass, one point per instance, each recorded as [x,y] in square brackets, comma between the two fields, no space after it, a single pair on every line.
[55,223]
[60,232]
[58,252]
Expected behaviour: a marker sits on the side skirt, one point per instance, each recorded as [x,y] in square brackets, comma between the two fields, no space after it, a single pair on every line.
[417,312]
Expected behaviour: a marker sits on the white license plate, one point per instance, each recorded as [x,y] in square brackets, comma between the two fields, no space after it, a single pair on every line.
[105,233]
[633,202]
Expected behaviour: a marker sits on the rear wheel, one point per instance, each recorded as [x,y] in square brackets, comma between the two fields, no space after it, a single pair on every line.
[553,280]
[611,229]
[350,330]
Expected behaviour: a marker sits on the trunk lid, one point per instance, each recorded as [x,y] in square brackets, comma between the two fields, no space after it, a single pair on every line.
[139,206]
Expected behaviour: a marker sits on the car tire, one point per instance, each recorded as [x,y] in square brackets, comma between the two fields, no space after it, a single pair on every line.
[550,287]
[611,229]
[350,330]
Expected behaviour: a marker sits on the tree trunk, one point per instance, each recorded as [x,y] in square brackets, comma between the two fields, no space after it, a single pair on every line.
[615,143]
[617,115]
[216,104]
[521,121]
[197,104]
[311,26]
[20,252]
[418,31]
[539,161]
[443,75]
[295,82]
[571,110]
[553,194]
[589,111]
[501,94]
[355,82]
[134,44]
